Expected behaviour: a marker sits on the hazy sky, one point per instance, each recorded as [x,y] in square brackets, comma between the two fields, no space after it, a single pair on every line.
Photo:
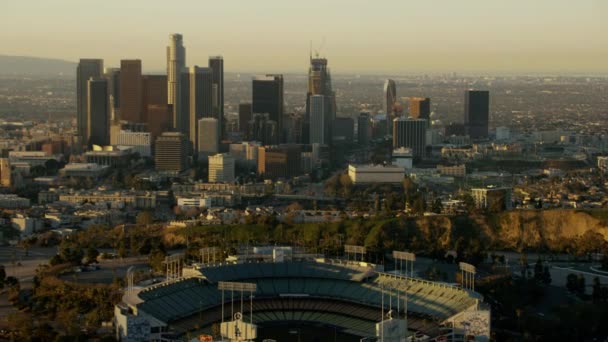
[381,36]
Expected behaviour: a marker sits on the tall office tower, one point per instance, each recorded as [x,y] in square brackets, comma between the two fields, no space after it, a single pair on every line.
[201,100]
[343,130]
[267,96]
[171,152]
[87,68]
[477,113]
[176,63]
[390,96]
[262,129]
[283,161]
[156,112]
[113,77]
[221,168]
[420,108]
[130,90]
[183,116]
[319,83]
[98,131]
[390,99]
[364,129]
[410,133]
[292,128]
[321,120]
[216,63]
[245,115]
[208,141]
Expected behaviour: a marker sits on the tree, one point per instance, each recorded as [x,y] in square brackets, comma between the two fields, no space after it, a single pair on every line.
[52,166]
[580,284]
[2,276]
[571,283]
[92,254]
[437,207]
[546,276]
[597,290]
[538,270]
[145,218]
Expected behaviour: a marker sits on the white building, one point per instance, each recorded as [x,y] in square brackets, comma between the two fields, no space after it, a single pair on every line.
[368,174]
[221,168]
[403,157]
[140,142]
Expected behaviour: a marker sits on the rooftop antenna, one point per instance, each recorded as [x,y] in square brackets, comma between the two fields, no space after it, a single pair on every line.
[320,48]
[310,50]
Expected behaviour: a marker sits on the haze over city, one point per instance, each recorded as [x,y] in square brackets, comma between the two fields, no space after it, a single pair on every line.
[388,37]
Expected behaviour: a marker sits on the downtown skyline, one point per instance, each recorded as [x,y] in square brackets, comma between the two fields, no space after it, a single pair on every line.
[397,38]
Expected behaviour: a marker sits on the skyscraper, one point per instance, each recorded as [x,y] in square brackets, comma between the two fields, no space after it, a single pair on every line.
[86,69]
[201,100]
[390,96]
[98,132]
[267,96]
[321,120]
[156,112]
[183,116]
[388,105]
[319,83]
[130,90]
[216,63]
[476,113]
[113,77]
[364,128]
[410,133]
[208,141]
[176,63]
[420,108]
[245,115]
[171,152]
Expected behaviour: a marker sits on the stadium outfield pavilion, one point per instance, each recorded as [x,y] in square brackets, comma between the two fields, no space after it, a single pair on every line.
[345,295]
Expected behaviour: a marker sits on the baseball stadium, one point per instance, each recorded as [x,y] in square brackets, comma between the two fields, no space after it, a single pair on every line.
[279,295]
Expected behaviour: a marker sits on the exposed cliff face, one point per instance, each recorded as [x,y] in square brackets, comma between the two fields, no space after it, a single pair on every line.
[546,229]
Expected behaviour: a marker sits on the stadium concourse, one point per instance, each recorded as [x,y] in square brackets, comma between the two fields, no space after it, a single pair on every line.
[349,296]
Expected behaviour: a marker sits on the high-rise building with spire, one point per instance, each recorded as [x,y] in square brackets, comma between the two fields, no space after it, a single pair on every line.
[176,65]
[319,83]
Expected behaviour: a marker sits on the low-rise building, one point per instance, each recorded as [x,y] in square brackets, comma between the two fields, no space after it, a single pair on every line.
[452,170]
[76,170]
[12,201]
[370,174]
[403,156]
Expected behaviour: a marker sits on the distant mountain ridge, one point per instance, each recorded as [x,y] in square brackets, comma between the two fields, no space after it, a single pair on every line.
[35,66]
